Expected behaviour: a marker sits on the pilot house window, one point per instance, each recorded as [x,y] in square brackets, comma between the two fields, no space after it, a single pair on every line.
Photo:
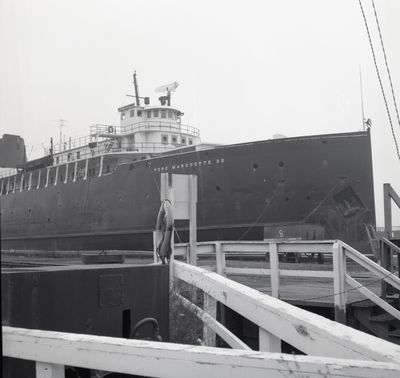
[174,139]
[163,114]
[139,113]
[132,113]
[122,116]
[155,113]
[149,114]
[164,139]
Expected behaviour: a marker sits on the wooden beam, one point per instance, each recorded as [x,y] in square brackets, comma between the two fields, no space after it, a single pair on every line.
[232,340]
[156,359]
[339,282]
[44,370]
[373,297]
[274,261]
[267,342]
[372,266]
[282,272]
[308,332]
[193,219]
[387,210]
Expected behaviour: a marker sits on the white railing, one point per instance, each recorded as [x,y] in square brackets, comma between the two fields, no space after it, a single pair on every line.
[308,332]
[53,350]
[338,250]
[105,130]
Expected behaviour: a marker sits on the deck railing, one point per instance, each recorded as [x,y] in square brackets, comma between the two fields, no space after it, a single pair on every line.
[53,350]
[338,250]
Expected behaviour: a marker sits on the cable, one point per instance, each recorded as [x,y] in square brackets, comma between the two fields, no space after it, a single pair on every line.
[352,289]
[379,78]
[386,63]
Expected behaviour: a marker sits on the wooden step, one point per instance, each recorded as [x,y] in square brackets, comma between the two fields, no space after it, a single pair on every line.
[382,318]
[395,333]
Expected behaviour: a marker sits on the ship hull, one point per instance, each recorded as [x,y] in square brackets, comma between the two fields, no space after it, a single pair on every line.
[317,187]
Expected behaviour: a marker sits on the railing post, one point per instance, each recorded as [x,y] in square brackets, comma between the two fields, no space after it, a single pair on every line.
[193,219]
[155,257]
[44,370]
[30,181]
[387,210]
[339,281]
[15,183]
[267,342]
[220,259]
[274,265]
[210,307]
[1,188]
[386,263]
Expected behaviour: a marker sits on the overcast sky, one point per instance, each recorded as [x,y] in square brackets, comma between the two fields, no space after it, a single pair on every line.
[247,69]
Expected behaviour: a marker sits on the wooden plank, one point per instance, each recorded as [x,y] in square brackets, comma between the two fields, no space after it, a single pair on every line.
[308,332]
[387,210]
[282,272]
[339,282]
[393,194]
[268,342]
[151,358]
[193,219]
[44,370]
[374,298]
[217,327]
[274,262]
[210,307]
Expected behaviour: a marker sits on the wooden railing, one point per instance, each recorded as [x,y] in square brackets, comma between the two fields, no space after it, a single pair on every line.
[53,350]
[338,250]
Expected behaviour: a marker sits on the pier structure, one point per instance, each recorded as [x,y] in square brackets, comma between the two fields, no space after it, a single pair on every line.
[325,347]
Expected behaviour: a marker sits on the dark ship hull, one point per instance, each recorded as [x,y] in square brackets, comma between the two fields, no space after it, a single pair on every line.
[316,187]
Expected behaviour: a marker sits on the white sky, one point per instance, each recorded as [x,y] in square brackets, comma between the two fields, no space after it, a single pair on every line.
[247,69]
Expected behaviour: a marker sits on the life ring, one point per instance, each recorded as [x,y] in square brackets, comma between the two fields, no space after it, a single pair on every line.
[164,230]
[110,130]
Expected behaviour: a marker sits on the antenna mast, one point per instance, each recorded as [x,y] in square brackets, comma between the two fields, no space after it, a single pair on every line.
[362,99]
[136,90]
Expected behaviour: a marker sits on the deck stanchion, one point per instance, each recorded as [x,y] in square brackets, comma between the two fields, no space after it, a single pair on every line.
[15,183]
[38,180]
[56,176]
[86,169]
[44,370]
[47,178]
[339,282]
[66,173]
[30,181]
[101,165]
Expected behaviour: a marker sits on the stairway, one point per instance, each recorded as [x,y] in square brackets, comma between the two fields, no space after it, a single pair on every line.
[370,318]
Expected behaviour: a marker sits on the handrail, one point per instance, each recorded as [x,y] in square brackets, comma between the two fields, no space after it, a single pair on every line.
[308,332]
[338,249]
[390,244]
[372,266]
[53,350]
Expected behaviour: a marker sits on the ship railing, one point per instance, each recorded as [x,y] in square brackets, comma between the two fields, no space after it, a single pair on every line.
[110,130]
[340,252]
[331,349]
[73,143]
